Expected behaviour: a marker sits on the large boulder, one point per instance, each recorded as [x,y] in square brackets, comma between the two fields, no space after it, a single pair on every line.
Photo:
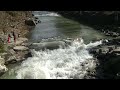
[18,56]
[30,22]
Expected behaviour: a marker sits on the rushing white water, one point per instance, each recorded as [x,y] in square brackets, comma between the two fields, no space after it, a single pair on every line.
[48,14]
[69,63]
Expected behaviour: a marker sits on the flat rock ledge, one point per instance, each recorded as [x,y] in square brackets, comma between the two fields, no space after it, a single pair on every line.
[20,48]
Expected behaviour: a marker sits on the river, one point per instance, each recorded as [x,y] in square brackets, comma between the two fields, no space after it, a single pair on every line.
[68,63]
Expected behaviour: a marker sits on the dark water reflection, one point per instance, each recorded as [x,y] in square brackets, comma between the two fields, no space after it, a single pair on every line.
[54,26]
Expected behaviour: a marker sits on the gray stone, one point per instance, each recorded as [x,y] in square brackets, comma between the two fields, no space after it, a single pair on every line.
[36,18]
[20,48]
[68,42]
[23,39]
[114,34]
[12,51]
[25,44]
[20,59]
[30,22]
[117,50]
[18,42]
[11,59]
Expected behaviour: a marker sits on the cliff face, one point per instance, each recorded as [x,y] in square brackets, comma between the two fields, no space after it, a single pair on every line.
[93,17]
[14,21]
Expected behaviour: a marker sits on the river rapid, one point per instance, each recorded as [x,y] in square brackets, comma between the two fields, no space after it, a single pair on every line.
[71,62]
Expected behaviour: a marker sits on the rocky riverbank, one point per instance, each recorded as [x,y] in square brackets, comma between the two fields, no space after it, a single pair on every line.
[108,55]
[13,21]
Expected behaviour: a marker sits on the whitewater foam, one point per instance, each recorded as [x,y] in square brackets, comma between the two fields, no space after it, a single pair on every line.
[49,14]
[69,63]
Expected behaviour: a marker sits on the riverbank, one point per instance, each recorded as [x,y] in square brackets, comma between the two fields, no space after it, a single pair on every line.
[14,51]
[108,54]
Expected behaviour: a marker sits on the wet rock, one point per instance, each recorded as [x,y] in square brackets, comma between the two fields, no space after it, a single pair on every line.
[18,57]
[25,44]
[68,42]
[39,21]
[117,50]
[107,34]
[115,42]
[28,54]
[30,22]
[11,60]
[36,18]
[114,34]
